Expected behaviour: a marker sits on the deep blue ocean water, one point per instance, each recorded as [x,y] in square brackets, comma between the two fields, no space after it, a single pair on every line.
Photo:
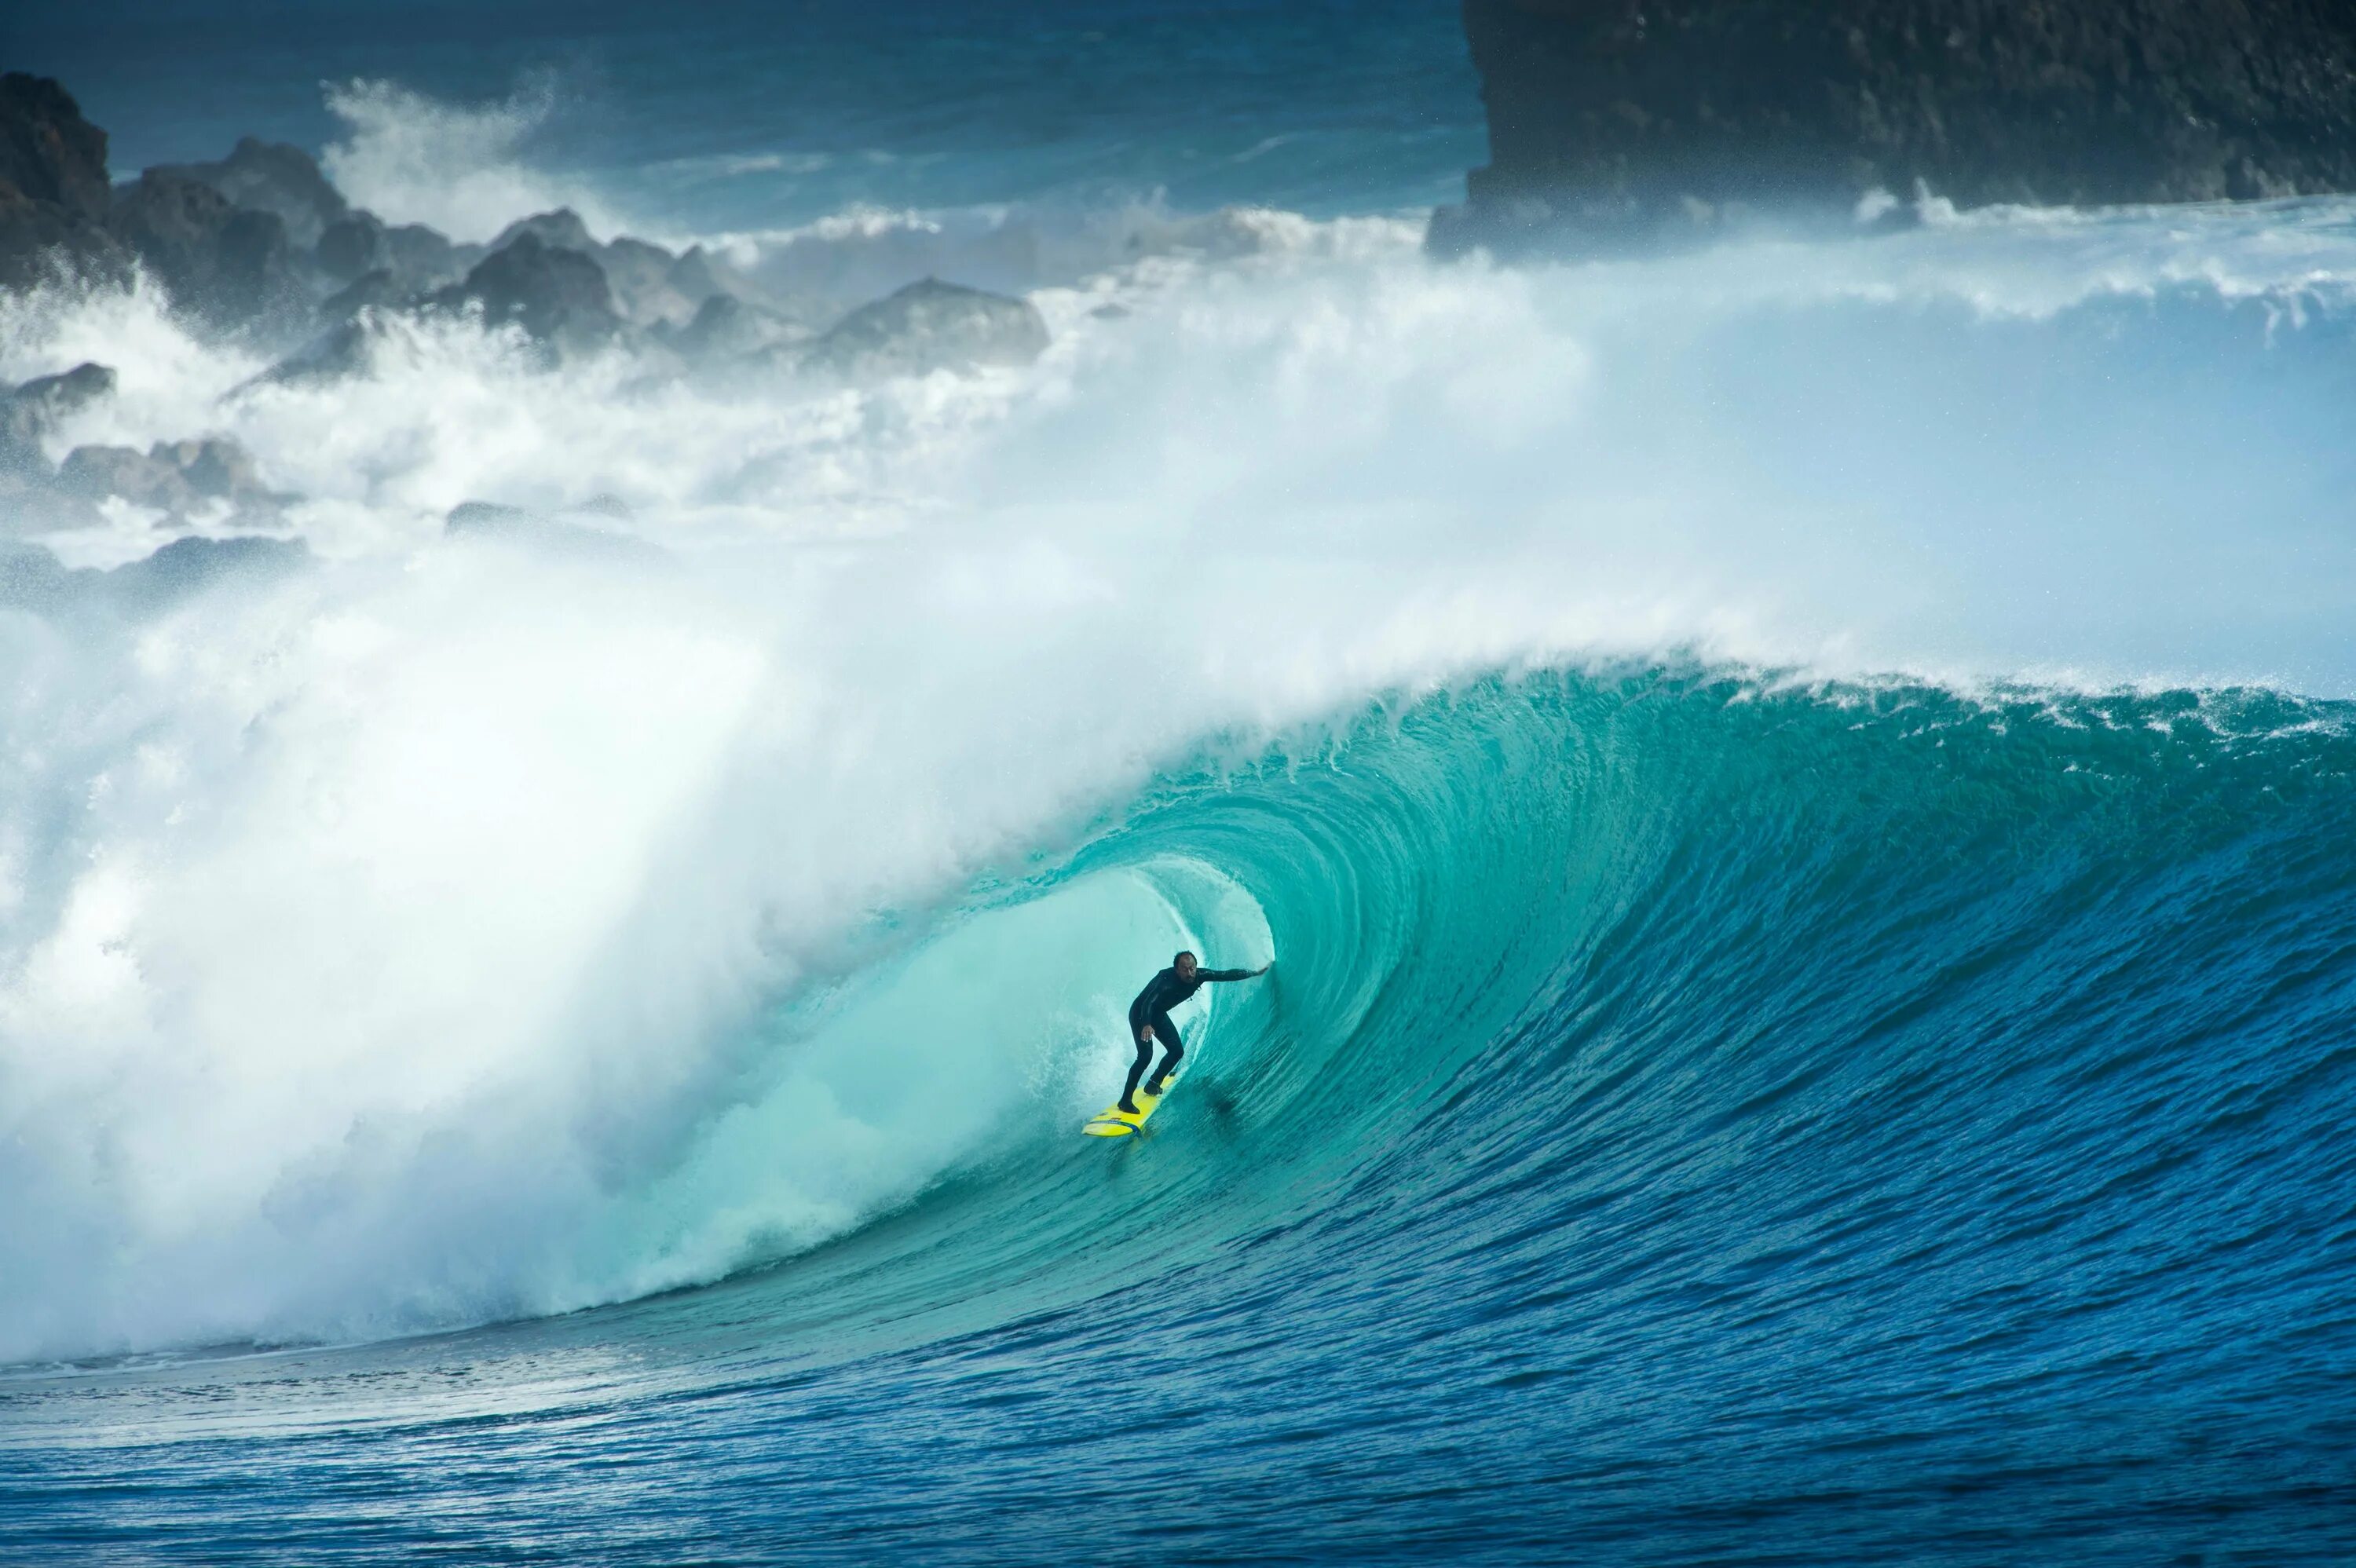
[1803,802]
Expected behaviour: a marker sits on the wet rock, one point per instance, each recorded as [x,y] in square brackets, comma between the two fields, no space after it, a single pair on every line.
[30,412]
[33,579]
[375,290]
[931,325]
[48,152]
[341,351]
[189,566]
[1615,123]
[555,295]
[488,520]
[230,266]
[562,229]
[96,473]
[274,177]
[173,476]
[54,193]
[726,327]
[215,467]
[415,258]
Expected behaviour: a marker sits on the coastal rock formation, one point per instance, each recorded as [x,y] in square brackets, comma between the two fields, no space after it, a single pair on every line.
[53,189]
[260,246]
[556,294]
[33,409]
[931,325]
[1631,122]
[172,476]
[230,266]
[274,177]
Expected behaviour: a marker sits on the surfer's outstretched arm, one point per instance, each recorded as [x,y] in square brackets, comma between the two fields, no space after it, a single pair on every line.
[1231,974]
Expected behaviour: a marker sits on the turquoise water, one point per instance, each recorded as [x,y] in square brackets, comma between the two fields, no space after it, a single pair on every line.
[1828,1124]
[1801,798]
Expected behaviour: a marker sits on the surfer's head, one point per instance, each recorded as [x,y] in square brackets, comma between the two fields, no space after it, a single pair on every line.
[1185,964]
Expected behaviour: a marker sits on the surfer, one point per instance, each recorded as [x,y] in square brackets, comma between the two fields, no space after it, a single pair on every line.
[1150,1015]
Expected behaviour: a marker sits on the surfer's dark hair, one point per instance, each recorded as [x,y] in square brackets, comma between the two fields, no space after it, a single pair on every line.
[1183,953]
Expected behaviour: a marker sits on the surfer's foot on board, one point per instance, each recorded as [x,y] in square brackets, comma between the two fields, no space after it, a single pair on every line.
[1127,1109]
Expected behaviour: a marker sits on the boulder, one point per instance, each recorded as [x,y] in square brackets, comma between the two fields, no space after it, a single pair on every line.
[48,152]
[556,295]
[1614,123]
[930,326]
[725,328]
[229,266]
[562,229]
[274,178]
[54,193]
[95,473]
[33,579]
[34,409]
[174,477]
[191,565]
[416,259]
[554,536]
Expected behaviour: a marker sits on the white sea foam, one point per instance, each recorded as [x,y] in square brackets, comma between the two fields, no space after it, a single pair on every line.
[438,935]
[462,168]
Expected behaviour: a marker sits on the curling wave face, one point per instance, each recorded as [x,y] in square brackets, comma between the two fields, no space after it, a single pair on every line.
[1685,1108]
[458,930]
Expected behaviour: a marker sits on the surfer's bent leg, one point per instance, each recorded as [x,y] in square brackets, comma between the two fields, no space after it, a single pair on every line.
[1137,1069]
[1168,1033]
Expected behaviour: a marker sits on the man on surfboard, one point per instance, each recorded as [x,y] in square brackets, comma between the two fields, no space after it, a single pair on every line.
[1150,1015]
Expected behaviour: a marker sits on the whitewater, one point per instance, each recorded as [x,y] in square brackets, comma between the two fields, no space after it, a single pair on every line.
[1801,798]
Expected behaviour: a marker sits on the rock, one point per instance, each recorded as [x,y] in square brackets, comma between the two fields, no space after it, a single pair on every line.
[48,152]
[95,473]
[274,178]
[341,351]
[641,275]
[931,325]
[174,477]
[416,257]
[725,327]
[34,409]
[54,193]
[33,579]
[1633,122]
[229,266]
[556,295]
[189,566]
[562,229]
[551,535]
[374,290]
[215,467]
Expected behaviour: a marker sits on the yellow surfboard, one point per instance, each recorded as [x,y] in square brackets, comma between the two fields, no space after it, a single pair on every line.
[1112,1122]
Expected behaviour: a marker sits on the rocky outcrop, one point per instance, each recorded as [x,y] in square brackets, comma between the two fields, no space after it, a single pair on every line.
[555,536]
[172,476]
[29,414]
[555,294]
[930,326]
[261,245]
[274,177]
[53,188]
[230,266]
[1621,121]
[414,258]
[33,579]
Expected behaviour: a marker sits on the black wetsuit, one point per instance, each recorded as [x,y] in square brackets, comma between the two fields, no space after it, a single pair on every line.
[1152,1009]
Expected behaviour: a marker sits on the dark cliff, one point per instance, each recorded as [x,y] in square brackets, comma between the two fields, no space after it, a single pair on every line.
[1619,122]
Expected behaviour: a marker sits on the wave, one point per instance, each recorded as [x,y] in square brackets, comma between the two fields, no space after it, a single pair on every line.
[454,932]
